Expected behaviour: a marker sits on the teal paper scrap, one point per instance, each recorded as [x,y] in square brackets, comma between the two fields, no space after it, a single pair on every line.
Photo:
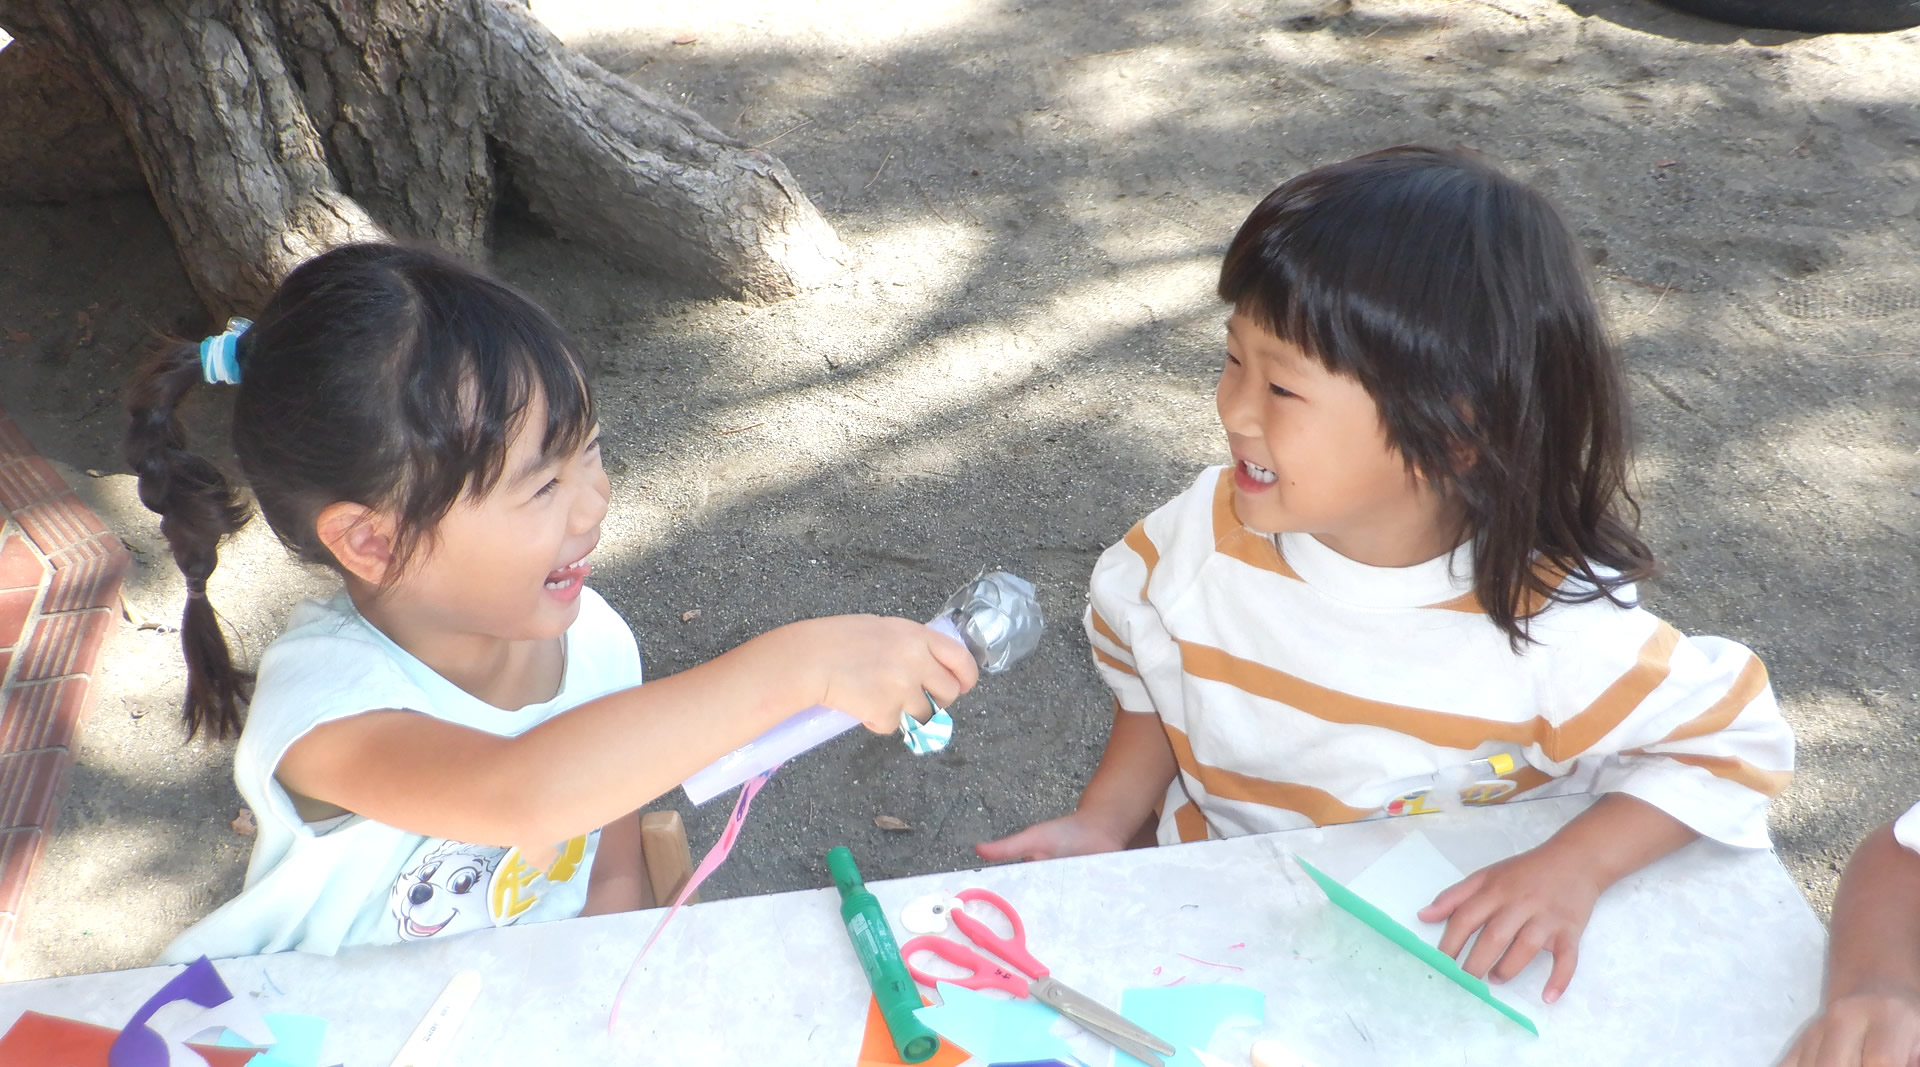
[1187,1016]
[993,1030]
[1359,908]
[296,1041]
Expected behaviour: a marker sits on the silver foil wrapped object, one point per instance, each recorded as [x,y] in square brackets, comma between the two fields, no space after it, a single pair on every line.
[999,619]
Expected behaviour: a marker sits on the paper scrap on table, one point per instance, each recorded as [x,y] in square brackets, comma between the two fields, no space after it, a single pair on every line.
[1404,880]
[1187,1016]
[183,1021]
[877,1049]
[1401,876]
[36,1040]
[296,1041]
[996,1031]
[141,1044]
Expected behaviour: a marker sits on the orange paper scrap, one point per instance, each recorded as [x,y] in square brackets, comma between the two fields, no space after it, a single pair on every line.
[876,1048]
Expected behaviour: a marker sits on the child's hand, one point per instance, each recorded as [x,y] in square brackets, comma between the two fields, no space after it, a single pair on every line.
[1070,835]
[1538,901]
[1871,1027]
[873,668]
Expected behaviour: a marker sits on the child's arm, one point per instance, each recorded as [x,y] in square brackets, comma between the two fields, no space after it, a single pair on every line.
[1872,1011]
[605,758]
[1686,740]
[1138,763]
[1540,900]
[1133,776]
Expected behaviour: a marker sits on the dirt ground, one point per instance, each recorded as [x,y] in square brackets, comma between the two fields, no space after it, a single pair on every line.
[1021,365]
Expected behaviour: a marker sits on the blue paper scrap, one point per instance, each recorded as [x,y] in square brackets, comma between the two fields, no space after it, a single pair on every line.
[296,1041]
[1187,1015]
[995,1031]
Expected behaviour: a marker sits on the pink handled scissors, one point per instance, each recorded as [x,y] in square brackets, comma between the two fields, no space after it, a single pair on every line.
[1110,1026]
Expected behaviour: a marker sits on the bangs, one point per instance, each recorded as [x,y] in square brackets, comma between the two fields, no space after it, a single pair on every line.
[1369,269]
[492,358]
[505,384]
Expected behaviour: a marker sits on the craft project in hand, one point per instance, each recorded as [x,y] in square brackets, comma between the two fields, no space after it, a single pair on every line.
[995,615]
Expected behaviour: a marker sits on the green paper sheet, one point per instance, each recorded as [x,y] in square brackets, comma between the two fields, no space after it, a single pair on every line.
[1357,906]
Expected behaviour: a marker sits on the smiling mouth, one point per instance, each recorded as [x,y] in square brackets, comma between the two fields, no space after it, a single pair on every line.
[417,930]
[569,575]
[1258,473]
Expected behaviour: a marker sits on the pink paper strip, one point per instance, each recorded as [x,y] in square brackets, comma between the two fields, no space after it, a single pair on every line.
[1210,963]
[708,864]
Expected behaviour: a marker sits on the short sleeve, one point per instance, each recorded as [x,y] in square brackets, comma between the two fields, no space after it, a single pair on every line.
[1123,624]
[1687,724]
[1117,613]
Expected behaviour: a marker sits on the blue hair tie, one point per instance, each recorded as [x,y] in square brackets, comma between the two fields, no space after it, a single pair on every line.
[220,354]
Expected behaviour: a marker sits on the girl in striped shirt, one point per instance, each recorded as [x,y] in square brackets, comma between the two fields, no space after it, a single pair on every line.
[1415,585]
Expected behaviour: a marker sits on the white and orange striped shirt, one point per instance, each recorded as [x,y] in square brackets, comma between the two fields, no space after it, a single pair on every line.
[1298,687]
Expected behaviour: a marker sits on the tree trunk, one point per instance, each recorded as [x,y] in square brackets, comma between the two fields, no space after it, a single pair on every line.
[269,130]
[58,138]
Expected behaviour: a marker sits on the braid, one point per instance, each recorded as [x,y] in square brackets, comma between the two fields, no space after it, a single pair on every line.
[197,507]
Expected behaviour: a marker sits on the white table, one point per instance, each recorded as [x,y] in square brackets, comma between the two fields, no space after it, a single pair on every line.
[1709,957]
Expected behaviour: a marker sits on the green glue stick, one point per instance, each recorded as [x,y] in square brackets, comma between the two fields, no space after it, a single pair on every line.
[879,954]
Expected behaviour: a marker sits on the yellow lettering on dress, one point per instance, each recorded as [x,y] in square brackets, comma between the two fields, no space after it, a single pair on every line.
[568,862]
[507,899]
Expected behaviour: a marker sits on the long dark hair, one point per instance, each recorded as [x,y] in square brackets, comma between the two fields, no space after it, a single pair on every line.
[382,375]
[1457,297]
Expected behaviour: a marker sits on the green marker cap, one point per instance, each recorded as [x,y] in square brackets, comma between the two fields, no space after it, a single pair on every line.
[843,871]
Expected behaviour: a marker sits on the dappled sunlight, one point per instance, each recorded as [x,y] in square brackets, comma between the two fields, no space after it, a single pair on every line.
[1019,362]
[982,368]
[1128,90]
[1859,461]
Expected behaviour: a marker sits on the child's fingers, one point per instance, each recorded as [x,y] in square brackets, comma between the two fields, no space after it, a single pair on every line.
[1020,846]
[962,672]
[1464,914]
[1496,936]
[1451,897]
[1896,1044]
[1837,1044]
[1566,956]
[1532,938]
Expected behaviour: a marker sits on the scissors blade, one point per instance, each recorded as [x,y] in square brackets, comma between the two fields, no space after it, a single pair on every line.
[1116,1029]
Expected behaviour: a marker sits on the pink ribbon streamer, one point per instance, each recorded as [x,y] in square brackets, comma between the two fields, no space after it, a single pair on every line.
[708,864]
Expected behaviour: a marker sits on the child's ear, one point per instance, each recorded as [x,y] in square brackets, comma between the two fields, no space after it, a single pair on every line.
[1462,455]
[360,538]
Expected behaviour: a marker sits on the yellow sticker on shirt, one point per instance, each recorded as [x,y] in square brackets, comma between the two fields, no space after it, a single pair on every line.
[513,891]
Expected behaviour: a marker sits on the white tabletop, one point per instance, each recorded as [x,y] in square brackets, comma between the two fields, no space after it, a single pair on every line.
[1710,956]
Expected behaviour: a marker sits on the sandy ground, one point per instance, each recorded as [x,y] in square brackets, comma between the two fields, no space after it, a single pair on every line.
[1021,365]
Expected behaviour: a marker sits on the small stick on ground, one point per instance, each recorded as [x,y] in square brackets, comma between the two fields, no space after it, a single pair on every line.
[876,173]
[782,133]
